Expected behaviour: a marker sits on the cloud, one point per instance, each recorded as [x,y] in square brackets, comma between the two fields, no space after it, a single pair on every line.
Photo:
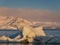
[32,14]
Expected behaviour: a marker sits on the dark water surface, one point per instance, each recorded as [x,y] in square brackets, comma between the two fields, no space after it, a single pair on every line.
[26,44]
[14,33]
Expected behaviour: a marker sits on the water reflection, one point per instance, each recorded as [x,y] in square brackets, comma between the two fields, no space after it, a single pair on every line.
[26,44]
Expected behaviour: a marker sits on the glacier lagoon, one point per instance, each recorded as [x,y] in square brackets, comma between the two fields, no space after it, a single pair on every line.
[14,33]
[26,44]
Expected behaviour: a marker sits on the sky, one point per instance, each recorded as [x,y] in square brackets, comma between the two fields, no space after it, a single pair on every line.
[37,10]
[35,4]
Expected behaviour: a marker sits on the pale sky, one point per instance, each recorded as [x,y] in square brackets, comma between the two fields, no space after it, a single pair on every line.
[37,4]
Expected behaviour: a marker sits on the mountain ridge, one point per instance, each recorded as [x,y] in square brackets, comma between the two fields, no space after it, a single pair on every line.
[8,22]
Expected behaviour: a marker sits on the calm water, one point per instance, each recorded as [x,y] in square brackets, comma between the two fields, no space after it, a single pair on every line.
[52,32]
[25,44]
[13,33]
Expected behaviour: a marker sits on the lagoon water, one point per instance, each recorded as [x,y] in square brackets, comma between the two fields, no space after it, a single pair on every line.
[55,32]
[25,44]
[13,33]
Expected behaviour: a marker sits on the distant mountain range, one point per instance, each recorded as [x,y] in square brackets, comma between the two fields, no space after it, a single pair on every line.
[7,22]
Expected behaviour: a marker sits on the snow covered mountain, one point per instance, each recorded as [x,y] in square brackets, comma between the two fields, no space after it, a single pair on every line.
[7,22]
